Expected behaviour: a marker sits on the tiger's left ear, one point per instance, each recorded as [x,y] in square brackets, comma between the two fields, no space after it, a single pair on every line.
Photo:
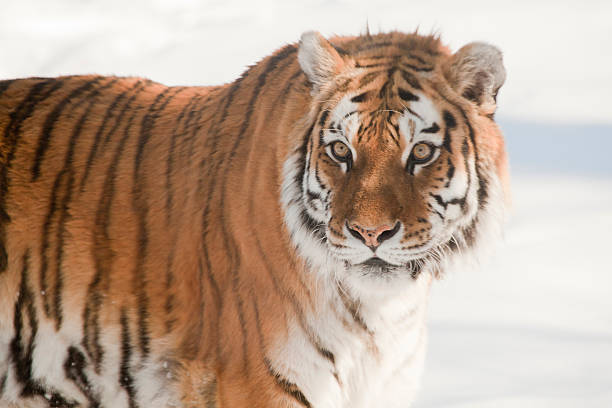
[477,72]
[318,59]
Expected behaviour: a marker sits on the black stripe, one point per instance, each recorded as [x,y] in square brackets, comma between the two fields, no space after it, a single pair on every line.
[450,172]
[103,255]
[406,95]
[67,171]
[170,158]
[3,383]
[449,124]
[482,192]
[74,368]
[290,296]
[434,128]
[439,200]
[369,78]
[385,90]
[415,68]
[482,182]
[410,79]
[353,310]
[125,376]
[323,118]
[361,97]
[50,121]
[12,134]
[373,44]
[416,57]
[22,355]
[108,115]
[287,386]
[271,65]
[3,87]
[22,346]
[141,209]
[281,382]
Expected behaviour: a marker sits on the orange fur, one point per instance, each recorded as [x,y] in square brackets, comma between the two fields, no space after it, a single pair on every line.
[134,205]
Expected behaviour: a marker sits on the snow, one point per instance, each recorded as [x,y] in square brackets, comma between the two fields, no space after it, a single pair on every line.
[532,327]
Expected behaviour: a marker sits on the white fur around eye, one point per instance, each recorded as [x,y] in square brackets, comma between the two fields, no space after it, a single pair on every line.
[420,115]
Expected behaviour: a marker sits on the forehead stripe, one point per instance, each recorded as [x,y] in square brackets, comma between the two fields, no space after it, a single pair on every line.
[407,95]
[434,128]
[411,80]
[450,123]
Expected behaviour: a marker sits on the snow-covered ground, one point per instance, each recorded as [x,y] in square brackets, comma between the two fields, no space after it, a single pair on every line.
[533,326]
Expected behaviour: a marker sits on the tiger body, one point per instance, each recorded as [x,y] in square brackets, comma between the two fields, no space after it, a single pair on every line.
[190,246]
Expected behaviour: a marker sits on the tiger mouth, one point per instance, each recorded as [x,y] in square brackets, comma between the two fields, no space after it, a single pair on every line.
[377,262]
[379,267]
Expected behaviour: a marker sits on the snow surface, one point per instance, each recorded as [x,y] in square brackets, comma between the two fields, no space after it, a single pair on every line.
[533,326]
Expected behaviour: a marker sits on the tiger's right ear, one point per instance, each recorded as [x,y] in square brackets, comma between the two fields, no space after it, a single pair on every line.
[318,59]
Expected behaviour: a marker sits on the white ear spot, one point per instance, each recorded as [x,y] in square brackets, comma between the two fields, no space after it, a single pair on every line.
[477,72]
[318,58]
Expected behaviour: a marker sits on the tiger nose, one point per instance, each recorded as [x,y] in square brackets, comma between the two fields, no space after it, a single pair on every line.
[373,237]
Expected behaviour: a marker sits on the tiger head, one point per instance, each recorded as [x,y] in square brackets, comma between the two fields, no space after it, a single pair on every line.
[401,165]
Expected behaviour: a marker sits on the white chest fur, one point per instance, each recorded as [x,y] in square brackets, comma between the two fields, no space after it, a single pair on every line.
[378,348]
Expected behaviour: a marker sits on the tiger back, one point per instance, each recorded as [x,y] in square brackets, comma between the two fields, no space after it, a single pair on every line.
[269,242]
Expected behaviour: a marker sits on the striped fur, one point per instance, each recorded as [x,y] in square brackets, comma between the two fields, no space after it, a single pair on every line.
[194,246]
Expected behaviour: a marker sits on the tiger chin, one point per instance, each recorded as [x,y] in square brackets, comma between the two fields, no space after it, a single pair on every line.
[266,243]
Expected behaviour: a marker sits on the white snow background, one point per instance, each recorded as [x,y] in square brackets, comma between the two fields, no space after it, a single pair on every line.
[532,327]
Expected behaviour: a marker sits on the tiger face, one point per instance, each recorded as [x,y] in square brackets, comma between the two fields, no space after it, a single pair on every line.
[401,162]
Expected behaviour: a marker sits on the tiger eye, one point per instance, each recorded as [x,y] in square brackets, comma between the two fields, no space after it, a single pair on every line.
[340,150]
[422,151]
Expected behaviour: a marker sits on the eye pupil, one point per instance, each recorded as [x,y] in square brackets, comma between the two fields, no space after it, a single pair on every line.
[340,150]
[421,151]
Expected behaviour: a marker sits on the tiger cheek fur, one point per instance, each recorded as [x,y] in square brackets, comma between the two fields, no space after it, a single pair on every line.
[266,243]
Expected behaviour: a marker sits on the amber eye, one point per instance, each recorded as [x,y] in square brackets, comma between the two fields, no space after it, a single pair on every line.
[340,151]
[422,152]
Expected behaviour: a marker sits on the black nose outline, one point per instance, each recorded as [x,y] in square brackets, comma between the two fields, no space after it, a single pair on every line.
[385,235]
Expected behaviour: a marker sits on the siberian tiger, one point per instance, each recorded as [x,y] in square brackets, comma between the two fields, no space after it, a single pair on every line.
[265,243]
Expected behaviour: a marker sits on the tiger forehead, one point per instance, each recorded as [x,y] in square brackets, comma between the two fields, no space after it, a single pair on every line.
[362,122]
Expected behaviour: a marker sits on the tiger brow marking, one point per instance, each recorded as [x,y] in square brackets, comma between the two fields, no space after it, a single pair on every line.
[67,171]
[50,121]
[12,134]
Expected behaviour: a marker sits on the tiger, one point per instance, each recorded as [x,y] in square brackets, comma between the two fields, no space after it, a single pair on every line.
[270,242]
